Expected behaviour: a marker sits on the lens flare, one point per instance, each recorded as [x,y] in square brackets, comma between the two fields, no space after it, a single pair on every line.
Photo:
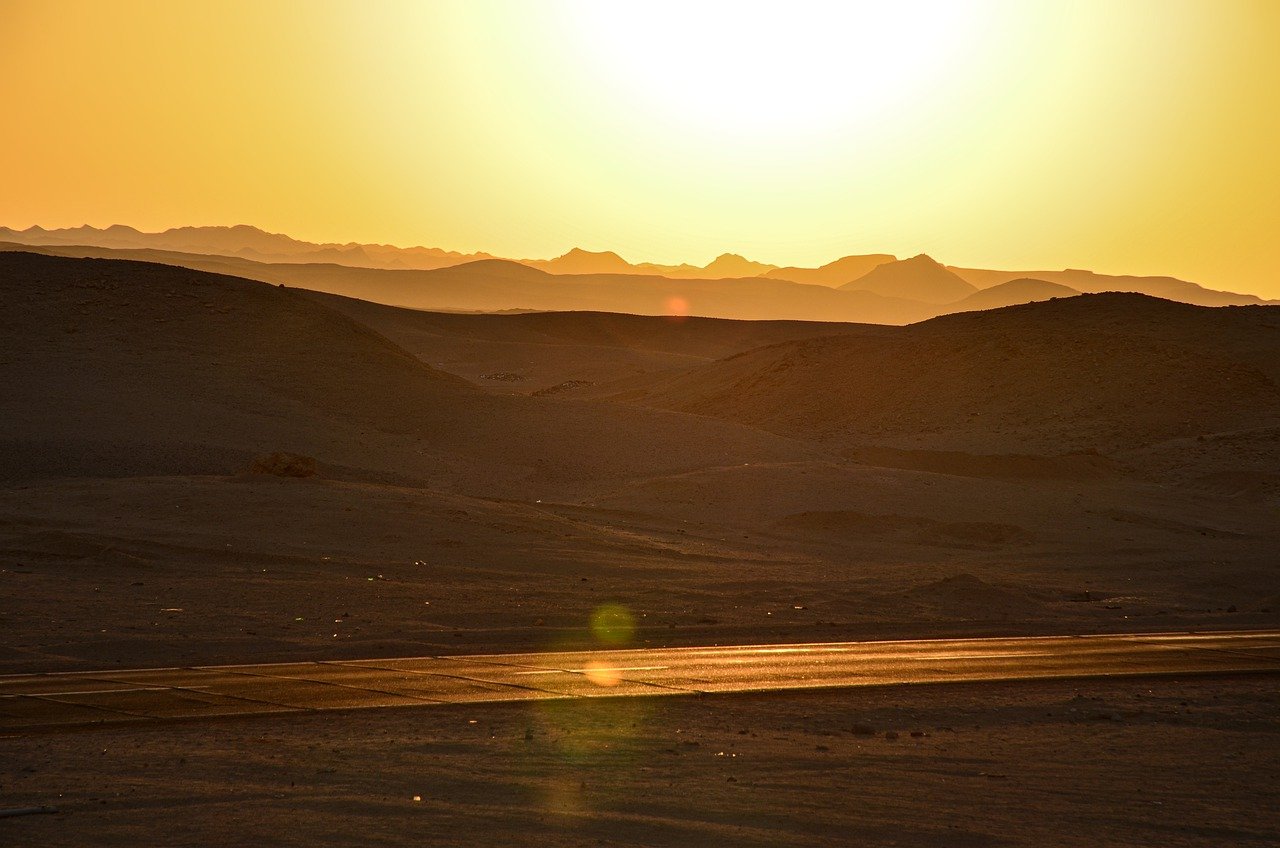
[612,624]
[676,308]
[602,674]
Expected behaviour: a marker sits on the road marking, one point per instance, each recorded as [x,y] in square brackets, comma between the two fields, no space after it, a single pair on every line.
[594,669]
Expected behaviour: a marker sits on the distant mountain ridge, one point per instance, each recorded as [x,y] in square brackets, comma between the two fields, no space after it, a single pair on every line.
[578,261]
[918,278]
[834,274]
[1012,293]
[245,241]
[889,290]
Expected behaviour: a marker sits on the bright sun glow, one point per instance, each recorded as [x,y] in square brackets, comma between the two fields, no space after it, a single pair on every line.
[1126,137]
[774,68]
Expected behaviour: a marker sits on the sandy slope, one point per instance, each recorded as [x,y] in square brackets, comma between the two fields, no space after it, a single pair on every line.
[1105,373]
[524,353]
[123,368]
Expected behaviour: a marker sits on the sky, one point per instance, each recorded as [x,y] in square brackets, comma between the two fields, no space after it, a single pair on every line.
[1127,137]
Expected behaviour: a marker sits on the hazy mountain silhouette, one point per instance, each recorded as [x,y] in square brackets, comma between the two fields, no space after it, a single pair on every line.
[835,274]
[918,278]
[578,261]
[1022,290]
[491,285]
[1169,288]
[733,265]
[241,240]
[875,287]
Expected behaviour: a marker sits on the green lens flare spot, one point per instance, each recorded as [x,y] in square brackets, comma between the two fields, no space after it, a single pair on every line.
[612,624]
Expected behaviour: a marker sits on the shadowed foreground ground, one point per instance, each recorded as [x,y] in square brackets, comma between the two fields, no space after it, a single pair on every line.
[1164,762]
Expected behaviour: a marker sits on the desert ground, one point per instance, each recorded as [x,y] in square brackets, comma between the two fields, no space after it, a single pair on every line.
[1171,762]
[1094,463]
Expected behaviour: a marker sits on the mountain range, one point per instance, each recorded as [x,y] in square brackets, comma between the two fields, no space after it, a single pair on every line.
[878,288]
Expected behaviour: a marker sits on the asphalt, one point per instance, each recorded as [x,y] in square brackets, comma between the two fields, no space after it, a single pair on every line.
[75,700]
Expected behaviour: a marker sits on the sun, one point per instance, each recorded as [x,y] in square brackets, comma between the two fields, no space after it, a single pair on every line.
[773,68]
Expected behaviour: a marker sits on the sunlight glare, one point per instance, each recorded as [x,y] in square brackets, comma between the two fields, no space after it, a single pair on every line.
[773,68]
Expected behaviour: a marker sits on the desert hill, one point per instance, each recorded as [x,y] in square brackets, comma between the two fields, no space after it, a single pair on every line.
[559,351]
[125,368]
[918,278]
[447,518]
[1106,373]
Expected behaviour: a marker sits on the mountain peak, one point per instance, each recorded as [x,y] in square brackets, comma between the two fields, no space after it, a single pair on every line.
[579,261]
[923,260]
[580,253]
[734,265]
[918,278]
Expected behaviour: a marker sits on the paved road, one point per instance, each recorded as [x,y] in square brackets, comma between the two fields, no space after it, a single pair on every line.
[36,702]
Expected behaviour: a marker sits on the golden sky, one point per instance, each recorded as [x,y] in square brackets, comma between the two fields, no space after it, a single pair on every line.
[1127,136]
